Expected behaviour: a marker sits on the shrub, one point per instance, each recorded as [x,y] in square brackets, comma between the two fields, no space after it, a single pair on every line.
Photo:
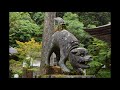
[31,48]
[15,67]
[101,55]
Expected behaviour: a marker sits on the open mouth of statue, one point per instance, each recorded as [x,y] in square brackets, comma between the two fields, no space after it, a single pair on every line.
[83,62]
[84,65]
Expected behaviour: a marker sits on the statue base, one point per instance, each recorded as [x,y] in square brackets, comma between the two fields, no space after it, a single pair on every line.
[67,76]
[56,72]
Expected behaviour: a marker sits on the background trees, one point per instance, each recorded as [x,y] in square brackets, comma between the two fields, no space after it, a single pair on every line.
[91,18]
[25,25]
[23,28]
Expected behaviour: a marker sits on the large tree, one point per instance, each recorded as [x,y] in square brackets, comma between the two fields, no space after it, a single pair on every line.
[47,33]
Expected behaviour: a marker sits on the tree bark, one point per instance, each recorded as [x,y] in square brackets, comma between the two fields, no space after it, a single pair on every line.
[47,33]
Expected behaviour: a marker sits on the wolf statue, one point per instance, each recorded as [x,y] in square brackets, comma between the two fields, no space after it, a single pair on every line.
[66,47]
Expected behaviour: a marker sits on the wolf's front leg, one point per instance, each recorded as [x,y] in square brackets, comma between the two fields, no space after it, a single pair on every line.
[62,62]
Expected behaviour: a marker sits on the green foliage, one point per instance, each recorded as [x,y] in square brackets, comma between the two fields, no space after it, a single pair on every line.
[101,54]
[31,49]
[74,26]
[70,16]
[34,69]
[27,52]
[99,48]
[104,74]
[18,16]
[38,17]
[22,28]
[94,18]
[91,26]
[15,67]
[93,67]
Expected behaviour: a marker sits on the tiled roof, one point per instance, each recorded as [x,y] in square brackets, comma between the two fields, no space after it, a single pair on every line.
[101,32]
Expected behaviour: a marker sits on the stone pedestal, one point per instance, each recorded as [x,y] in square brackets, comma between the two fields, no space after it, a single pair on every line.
[67,76]
[56,72]
[53,70]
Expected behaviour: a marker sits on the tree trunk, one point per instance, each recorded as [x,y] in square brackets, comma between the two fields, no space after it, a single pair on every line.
[47,33]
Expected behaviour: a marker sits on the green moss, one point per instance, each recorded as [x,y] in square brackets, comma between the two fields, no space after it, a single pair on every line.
[43,76]
[59,76]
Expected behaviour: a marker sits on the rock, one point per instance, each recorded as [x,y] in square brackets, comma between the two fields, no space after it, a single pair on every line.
[12,50]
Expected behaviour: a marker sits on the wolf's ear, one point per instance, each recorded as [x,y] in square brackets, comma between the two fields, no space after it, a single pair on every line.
[74,51]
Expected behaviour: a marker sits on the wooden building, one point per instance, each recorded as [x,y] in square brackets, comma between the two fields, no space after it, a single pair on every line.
[101,32]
